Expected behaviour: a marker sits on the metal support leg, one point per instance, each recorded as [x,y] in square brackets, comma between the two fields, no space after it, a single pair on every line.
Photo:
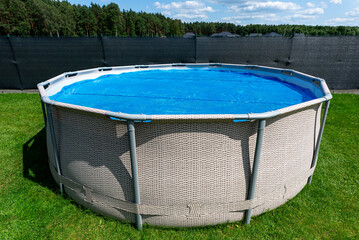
[54,146]
[43,111]
[315,156]
[257,156]
[134,168]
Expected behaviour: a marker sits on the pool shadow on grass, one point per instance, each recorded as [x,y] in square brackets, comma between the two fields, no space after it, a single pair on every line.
[35,161]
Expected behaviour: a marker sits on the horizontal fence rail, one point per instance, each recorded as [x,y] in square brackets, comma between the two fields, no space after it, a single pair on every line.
[24,62]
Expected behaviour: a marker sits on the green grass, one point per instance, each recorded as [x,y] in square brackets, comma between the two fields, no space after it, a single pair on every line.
[32,208]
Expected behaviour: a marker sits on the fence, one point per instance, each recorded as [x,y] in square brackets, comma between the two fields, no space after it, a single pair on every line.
[24,62]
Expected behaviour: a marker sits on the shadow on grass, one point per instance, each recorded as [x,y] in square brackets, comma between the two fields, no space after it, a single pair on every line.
[35,161]
[36,168]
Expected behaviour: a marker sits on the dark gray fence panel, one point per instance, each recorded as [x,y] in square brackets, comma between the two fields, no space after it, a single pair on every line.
[8,74]
[333,58]
[137,51]
[43,58]
[268,51]
[336,59]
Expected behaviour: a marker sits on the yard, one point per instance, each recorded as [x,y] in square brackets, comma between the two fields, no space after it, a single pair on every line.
[31,206]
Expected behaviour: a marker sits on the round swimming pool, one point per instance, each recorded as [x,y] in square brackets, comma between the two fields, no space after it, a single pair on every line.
[183,144]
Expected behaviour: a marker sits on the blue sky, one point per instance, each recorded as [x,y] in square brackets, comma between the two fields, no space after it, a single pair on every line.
[326,12]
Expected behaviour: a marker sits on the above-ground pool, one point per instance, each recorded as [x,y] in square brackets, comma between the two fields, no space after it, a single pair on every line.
[183,144]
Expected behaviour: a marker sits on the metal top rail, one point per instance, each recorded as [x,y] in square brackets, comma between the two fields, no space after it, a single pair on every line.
[315,81]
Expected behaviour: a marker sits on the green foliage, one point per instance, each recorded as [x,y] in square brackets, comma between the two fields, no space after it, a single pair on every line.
[60,18]
[14,18]
[31,206]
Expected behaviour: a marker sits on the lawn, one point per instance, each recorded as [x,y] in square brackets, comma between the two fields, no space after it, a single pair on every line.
[31,206]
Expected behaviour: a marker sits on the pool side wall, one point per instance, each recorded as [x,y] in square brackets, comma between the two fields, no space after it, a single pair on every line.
[197,170]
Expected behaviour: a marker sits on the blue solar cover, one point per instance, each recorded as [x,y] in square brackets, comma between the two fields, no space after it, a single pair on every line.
[184,91]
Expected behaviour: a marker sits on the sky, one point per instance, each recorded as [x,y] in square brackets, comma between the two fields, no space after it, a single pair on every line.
[244,12]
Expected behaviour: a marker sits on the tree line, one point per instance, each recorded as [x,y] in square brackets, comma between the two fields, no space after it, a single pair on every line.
[60,18]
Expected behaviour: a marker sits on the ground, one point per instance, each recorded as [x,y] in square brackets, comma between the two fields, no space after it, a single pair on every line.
[31,206]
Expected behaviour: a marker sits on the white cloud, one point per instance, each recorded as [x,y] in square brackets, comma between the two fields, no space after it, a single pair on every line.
[185,10]
[231,20]
[336,1]
[316,5]
[312,11]
[259,18]
[257,6]
[310,4]
[301,16]
[343,21]
[192,6]
[323,5]
[354,12]
[168,13]
[191,16]
[291,16]
[307,14]
[227,2]
[275,12]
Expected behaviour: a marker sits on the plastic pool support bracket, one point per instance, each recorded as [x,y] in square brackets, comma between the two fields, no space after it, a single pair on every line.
[257,156]
[134,169]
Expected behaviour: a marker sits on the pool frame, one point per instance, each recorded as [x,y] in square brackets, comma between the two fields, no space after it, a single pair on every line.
[130,120]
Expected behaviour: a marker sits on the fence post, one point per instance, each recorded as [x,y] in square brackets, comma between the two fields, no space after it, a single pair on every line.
[14,61]
[290,50]
[103,51]
[195,47]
